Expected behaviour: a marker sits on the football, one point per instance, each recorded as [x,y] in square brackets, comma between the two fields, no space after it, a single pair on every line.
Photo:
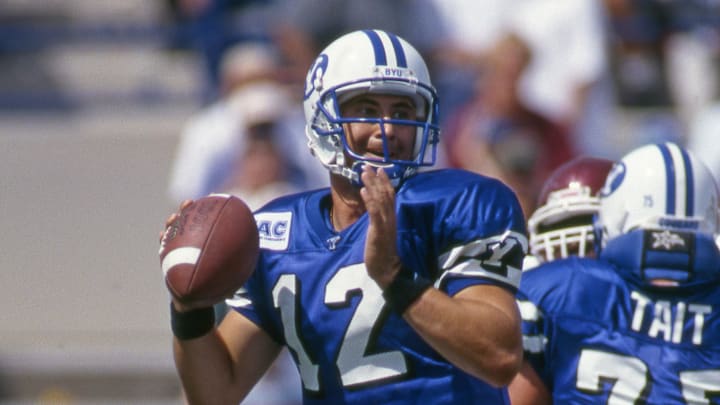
[209,250]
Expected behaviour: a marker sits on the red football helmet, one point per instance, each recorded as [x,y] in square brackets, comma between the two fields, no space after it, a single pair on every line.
[562,225]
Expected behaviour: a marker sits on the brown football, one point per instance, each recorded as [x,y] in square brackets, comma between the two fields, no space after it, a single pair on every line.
[209,250]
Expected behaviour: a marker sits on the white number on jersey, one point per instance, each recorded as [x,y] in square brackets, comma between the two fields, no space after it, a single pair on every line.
[355,364]
[631,378]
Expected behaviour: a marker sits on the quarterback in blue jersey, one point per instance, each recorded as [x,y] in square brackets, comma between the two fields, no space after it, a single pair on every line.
[641,322]
[394,285]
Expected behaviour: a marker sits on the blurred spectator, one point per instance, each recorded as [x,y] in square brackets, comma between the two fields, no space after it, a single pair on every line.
[568,79]
[694,70]
[704,134]
[210,27]
[212,140]
[665,52]
[469,30]
[260,173]
[208,139]
[665,56]
[304,27]
[693,53]
[639,69]
[498,135]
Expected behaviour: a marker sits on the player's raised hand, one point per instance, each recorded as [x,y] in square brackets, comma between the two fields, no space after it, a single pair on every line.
[381,257]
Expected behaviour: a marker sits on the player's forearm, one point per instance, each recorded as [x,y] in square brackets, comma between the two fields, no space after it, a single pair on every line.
[205,370]
[528,389]
[479,337]
[201,355]
[223,365]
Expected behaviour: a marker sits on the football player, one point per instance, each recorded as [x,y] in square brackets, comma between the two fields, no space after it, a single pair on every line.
[392,285]
[641,322]
[562,225]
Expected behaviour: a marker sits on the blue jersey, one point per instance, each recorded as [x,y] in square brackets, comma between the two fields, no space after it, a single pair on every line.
[311,291]
[599,332]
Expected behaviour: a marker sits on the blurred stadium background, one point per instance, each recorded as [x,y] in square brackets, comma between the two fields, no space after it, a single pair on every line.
[91,103]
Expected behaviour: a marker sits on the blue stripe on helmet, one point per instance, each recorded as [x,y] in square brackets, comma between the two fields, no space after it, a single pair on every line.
[669,179]
[380,56]
[399,51]
[690,184]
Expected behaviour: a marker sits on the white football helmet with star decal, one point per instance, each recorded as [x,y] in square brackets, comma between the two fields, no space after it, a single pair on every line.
[368,61]
[658,187]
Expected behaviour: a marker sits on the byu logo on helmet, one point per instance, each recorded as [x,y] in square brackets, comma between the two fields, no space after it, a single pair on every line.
[614,179]
[313,81]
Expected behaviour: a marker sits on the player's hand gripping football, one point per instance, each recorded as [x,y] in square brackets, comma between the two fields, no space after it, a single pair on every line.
[171,221]
[381,257]
[208,250]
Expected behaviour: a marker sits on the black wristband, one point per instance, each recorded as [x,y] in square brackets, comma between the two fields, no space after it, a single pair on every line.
[193,323]
[403,291]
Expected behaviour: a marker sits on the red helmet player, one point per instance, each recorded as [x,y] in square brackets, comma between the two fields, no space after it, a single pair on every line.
[562,225]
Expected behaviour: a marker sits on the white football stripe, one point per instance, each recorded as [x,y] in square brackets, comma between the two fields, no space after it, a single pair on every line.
[183,255]
[389,48]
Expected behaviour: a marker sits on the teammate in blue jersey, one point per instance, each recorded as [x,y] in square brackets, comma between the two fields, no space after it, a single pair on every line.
[561,226]
[641,322]
[394,285]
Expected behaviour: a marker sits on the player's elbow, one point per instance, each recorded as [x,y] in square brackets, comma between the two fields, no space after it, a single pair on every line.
[504,360]
[504,367]
[507,372]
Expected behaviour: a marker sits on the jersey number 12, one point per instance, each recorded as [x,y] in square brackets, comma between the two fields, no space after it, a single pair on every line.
[357,366]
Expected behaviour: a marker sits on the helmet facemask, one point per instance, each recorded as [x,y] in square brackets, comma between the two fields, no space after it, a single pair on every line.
[328,129]
[562,225]
[571,237]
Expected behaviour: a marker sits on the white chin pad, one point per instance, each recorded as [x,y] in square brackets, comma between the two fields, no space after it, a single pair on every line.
[378,164]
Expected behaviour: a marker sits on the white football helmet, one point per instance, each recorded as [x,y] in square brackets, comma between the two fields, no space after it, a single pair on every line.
[562,225]
[661,187]
[368,61]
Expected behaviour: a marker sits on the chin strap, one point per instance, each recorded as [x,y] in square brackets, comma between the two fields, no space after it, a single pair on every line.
[396,173]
